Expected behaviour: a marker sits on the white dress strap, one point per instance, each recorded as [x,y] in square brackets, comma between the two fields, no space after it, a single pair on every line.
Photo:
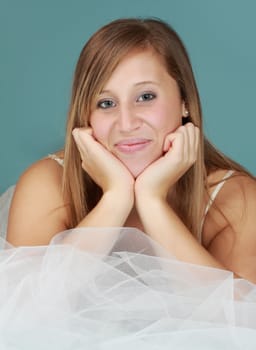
[217,189]
[213,195]
[57,159]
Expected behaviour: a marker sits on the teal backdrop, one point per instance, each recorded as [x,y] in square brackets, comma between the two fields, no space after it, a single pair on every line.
[41,41]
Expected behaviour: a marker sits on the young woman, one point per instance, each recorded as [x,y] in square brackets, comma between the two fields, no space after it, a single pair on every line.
[135,122]
[135,156]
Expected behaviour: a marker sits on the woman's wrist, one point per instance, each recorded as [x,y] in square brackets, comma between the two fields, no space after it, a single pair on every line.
[111,211]
[119,199]
[148,203]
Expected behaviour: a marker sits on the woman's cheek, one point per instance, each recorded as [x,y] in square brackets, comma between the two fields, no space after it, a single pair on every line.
[165,117]
[100,134]
[97,128]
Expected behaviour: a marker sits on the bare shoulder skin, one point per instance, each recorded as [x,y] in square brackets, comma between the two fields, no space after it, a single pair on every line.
[37,211]
[229,232]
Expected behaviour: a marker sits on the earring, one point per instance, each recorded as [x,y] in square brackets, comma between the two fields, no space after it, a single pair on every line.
[186,113]
[185,119]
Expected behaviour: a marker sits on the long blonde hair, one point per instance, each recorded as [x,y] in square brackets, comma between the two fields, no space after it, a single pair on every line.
[98,59]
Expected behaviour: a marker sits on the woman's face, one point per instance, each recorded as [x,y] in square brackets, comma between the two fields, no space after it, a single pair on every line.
[139,105]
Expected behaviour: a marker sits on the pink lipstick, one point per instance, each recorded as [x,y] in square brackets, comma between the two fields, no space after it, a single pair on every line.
[132,145]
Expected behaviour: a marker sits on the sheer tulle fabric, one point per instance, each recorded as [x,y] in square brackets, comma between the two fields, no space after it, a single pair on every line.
[5,201]
[108,288]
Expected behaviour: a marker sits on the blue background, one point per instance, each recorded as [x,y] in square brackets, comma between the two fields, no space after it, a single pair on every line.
[40,43]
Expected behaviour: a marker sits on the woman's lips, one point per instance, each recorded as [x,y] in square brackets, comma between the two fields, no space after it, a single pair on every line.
[132,145]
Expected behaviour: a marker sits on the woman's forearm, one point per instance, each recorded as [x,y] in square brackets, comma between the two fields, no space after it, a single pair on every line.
[167,229]
[111,211]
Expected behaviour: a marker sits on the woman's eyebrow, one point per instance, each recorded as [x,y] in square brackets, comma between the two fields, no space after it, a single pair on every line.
[104,92]
[146,82]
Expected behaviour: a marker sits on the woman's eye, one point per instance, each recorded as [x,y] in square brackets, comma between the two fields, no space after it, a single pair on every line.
[105,104]
[146,97]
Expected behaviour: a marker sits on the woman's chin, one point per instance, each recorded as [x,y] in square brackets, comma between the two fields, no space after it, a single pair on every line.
[136,173]
[136,170]
[137,165]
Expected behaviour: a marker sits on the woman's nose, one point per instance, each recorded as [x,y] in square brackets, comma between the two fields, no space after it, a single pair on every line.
[128,120]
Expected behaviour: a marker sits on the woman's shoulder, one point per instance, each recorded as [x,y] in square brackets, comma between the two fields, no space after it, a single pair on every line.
[237,199]
[234,203]
[230,231]
[37,204]
[43,170]
[231,190]
[236,186]
[43,177]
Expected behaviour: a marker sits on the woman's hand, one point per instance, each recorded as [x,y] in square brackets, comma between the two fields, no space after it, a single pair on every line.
[180,152]
[111,175]
[102,166]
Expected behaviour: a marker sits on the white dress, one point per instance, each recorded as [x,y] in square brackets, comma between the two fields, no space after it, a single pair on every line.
[114,288]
